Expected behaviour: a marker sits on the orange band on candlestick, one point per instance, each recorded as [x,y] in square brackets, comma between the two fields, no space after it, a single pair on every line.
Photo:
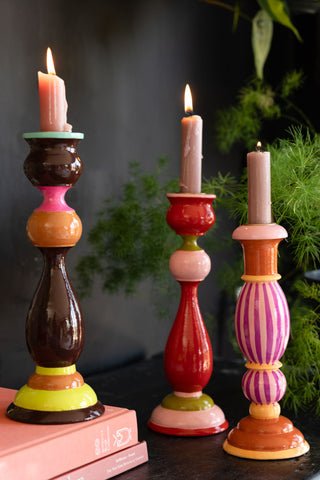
[55,382]
[54,229]
[260,256]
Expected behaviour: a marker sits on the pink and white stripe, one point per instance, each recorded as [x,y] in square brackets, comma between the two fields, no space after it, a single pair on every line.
[262,322]
[264,386]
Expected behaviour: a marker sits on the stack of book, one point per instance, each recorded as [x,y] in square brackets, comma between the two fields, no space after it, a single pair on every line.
[95,450]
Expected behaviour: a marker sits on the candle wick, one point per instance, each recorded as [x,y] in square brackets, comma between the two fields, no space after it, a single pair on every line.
[189,113]
[259,147]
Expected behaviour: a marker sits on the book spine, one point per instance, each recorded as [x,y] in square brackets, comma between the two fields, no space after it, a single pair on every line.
[72,449]
[111,465]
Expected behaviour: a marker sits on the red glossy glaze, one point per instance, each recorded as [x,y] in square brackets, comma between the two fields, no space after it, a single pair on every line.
[190,214]
[194,432]
[188,353]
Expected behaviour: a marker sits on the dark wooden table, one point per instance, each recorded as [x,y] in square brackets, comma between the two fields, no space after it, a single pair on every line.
[141,386]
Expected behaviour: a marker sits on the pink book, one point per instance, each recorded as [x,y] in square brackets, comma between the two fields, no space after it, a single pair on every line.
[110,466]
[42,452]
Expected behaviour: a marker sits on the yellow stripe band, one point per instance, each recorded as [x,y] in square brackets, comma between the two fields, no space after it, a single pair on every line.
[56,371]
[266,455]
[261,278]
[55,401]
[264,366]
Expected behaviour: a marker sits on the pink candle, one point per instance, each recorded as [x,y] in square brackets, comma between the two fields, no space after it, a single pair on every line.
[259,187]
[52,96]
[191,149]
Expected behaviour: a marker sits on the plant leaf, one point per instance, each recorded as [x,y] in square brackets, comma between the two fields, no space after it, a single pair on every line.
[278,10]
[262,31]
[236,15]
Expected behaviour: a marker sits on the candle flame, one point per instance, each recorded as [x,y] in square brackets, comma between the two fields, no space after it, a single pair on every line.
[50,64]
[188,107]
[259,145]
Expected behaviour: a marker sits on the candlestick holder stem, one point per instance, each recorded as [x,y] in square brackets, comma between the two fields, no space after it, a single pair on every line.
[262,324]
[188,353]
[56,392]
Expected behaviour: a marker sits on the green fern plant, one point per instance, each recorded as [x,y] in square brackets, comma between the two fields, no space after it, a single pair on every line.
[258,105]
[130,241]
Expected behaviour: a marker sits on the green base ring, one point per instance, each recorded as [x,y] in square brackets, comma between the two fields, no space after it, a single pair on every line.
[62,135]
[187,404]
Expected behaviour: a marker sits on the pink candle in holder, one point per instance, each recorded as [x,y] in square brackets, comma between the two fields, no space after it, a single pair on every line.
[52,96]
[259,187]
[191,148]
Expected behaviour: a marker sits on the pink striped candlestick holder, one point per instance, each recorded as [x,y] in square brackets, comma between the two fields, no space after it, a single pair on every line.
[188,353]
[262,324]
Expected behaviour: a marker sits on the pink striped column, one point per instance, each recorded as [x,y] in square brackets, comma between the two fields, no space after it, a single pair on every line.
[262,323]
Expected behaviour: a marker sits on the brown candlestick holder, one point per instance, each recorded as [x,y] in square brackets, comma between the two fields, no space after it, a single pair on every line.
[56,392]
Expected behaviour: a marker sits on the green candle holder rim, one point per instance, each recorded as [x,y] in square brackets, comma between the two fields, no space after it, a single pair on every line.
[62,135]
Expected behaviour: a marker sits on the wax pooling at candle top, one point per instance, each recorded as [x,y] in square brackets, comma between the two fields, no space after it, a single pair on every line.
[52,97]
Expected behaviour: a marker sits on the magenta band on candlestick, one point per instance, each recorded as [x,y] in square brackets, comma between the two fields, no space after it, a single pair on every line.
[262,322]
[53,200]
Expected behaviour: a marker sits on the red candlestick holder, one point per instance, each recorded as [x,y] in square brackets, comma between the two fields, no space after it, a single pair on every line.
[262,324]
[188,353]
[56,392]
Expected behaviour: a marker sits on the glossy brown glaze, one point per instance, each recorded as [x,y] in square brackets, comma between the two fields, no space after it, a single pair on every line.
[54,418]
[53,162]
[54,330]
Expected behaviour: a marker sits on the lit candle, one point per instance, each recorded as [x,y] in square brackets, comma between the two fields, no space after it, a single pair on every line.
[191,148]
[259,186]
[52,96]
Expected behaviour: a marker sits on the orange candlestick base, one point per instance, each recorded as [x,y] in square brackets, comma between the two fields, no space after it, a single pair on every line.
[265,439]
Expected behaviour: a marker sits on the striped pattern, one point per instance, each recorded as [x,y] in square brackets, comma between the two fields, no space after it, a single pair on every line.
[264,387]
[262,321]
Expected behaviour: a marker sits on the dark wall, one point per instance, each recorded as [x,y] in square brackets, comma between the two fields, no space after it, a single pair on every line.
[125,65]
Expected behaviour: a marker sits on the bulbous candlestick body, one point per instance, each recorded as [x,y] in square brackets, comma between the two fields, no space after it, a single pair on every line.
[188,354]
[56,392]
[262,323]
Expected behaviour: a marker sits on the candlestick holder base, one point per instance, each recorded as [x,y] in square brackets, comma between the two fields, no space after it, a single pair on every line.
[266,439]
[262,326]
[189,423]
[55,396]
[56,392]
[188,354]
